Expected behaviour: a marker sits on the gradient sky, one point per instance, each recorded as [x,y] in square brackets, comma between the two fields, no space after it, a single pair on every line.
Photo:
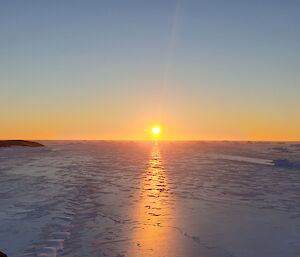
[111,69]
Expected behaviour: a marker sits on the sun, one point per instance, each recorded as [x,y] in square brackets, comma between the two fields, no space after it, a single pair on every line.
[156,130]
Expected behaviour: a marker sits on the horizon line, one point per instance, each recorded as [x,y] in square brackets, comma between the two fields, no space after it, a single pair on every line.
[165,140]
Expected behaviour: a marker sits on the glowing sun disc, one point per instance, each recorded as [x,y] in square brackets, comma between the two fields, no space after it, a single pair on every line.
[156,130]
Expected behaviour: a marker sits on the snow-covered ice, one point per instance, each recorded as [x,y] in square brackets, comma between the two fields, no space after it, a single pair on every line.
[98,198]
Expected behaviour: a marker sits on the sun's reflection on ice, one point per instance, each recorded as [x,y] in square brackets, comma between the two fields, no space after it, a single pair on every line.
[153,233]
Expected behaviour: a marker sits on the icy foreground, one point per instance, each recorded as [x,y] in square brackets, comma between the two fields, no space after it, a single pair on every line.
[93,199]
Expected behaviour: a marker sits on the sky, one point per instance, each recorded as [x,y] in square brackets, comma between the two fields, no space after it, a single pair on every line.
[112,69]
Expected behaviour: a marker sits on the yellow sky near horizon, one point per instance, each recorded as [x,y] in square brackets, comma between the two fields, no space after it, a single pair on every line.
[73,129]
[134,122]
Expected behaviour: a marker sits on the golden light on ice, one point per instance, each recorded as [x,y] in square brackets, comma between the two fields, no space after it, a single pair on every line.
[156,130]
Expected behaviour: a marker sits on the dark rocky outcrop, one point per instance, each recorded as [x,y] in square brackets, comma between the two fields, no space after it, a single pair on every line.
[8,143]
[2,254]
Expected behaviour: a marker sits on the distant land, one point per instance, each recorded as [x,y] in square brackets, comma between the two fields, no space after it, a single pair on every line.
[9,143]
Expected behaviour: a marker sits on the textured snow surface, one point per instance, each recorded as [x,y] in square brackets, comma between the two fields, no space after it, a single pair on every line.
[198,199]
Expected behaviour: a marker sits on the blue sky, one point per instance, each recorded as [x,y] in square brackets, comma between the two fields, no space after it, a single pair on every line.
[110,69]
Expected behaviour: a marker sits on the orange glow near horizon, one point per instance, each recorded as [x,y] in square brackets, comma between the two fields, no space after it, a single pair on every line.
[141,129]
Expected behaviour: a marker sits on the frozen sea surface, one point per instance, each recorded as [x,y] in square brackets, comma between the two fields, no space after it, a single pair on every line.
[170,199]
